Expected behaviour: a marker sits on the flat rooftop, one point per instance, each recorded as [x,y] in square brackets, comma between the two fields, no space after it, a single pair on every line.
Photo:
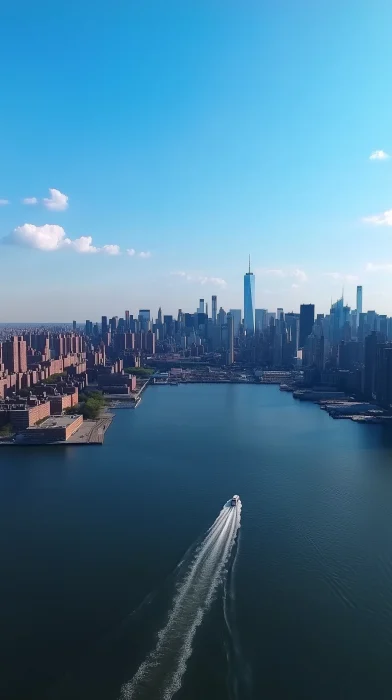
[56,422]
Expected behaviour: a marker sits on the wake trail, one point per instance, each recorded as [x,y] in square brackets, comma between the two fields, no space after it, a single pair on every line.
[159,677]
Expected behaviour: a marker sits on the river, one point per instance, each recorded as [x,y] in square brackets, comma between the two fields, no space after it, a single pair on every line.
[124,576]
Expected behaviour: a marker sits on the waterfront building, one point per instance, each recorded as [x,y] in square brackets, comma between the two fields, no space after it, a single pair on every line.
[249,301]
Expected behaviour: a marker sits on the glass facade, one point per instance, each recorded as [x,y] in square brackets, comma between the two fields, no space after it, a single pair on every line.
[249,302]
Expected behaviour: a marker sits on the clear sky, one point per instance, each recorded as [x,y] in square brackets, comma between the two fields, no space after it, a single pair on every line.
[191,133]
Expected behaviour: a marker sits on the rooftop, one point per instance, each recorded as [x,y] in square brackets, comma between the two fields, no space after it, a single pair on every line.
[56,422]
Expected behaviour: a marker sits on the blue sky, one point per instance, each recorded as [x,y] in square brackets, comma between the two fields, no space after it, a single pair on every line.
[193,132]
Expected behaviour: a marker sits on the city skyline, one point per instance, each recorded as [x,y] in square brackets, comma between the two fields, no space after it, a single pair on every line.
[174,163]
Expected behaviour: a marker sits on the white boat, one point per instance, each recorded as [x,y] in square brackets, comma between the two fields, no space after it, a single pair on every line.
[234,500]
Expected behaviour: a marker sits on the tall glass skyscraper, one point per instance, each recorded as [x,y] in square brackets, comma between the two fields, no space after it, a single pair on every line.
[249,301]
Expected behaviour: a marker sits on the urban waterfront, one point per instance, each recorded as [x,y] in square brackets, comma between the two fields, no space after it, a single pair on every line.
[90,542]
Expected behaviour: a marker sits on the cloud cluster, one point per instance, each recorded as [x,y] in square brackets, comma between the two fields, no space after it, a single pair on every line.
[30,200]
[296,273]
[3,202]
[57,200]
[201,279]
[383,219]
[379,155]
[50,237]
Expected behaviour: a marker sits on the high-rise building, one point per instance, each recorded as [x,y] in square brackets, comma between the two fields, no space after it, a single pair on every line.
[200,310]
[145,314]
[11,354]
[359,301]
[306,321]
[104,325]
[159,319]
[230,334]
[236,316]
[221,317]
[127,320]
[74,325]
[214,307]
[249,301]
[261,321]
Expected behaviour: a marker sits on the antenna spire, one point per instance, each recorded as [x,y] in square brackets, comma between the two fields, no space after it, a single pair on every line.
[249,263]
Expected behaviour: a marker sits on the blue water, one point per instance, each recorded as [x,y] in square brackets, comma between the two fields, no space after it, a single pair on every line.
[87,534]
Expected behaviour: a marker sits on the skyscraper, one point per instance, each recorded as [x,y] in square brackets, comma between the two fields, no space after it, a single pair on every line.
[359,301]
[306,321]
[230,333]
[249,301]
[214,307]
[261,320]
[201,306]
[236,316]
[104,325]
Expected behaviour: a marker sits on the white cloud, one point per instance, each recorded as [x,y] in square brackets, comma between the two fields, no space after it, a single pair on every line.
[379,155]
[3,202]
[339,276]
[382,267]
[111,249]
[295,286]
[57,200]
[201,279]
[30,200]
[298,274]
[51,237]
[383,219]
[131,251]
[145,254]
[84,244]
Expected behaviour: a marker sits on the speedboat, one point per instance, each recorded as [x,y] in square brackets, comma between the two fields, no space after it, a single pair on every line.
[234,500]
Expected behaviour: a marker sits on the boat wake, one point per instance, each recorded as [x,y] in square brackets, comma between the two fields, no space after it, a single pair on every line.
[159,677]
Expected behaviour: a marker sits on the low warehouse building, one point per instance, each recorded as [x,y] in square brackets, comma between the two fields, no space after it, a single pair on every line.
[54,429]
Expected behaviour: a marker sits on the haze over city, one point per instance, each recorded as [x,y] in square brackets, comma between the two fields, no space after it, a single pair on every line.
[141,167]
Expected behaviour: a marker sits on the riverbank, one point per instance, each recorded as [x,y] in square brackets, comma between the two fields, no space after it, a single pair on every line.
[341,406]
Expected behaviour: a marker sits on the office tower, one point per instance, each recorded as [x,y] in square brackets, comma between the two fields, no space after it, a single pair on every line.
[127,320]
[372,320]
[359,301]
[180,318]
[104,325]
[230,334]
[159,319]
[88,329]
[306,321]
[221,317]
[249,301]
[113,322]
[74,325]
[201,307]
[280,314]
[236,316]
[150,343]
[214,307]
[207,309]
[261,321]
[145,314]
